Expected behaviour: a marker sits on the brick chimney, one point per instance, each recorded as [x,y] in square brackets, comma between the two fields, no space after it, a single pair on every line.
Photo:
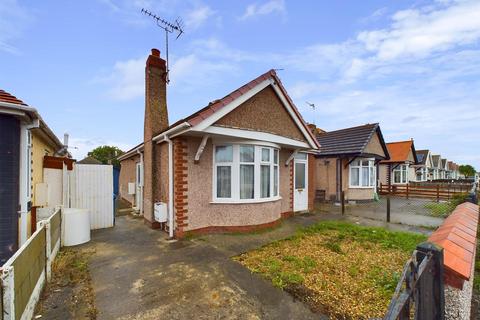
[156,114]
[156,121]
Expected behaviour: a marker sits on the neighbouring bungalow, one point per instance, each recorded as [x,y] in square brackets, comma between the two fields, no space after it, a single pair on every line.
[424,168]
[347,162]
[25,141]
[444,169]
[399,169]
[239,164]
[436,164]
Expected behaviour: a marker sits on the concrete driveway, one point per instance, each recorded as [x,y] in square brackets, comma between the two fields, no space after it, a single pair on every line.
[137,274]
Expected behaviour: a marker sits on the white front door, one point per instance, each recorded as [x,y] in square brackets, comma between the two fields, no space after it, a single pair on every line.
[300,177]
[138,187]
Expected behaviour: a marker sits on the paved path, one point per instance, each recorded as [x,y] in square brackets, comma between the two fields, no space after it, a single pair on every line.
[137,274]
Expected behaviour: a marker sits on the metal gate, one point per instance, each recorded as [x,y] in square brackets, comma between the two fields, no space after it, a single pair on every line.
[92,189]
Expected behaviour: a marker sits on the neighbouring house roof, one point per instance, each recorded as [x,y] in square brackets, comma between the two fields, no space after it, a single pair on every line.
[7,97]
[444,163]
[217,105]
[89,160]
[349,141]
[9,104]
[422,156]
[400,150]
[436,160]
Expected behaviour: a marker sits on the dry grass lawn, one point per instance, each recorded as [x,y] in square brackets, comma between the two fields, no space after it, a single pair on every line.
[340,269]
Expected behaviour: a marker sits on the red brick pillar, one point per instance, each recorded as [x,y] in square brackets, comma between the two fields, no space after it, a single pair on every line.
[180,152]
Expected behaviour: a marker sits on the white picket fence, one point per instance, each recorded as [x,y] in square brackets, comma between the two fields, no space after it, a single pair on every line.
[25,274]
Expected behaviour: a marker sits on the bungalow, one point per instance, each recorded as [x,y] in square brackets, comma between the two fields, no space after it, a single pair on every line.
[25,140]
[444,169]
[436,162]
[423,169]
[240,163]
[347,162]
[399,169]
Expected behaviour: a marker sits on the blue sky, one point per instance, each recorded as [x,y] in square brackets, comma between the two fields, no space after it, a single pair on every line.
[413,66]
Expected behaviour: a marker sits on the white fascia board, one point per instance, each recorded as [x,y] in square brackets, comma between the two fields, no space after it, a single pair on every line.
[294,116]
[255,135]
[231,106]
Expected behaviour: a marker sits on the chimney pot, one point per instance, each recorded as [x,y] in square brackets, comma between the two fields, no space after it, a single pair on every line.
[155,52]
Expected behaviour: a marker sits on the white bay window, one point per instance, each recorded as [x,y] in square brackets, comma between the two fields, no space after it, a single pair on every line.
[245,173]
[362,173]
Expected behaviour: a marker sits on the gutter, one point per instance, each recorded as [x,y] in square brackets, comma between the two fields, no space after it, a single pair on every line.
[28,114]
[170,186]
[164,135]
[140,203]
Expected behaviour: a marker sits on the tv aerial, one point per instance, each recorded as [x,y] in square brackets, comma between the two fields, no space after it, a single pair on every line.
[169,27]
[311,105]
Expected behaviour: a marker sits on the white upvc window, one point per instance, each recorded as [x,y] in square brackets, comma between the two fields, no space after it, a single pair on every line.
[400,174]
[245,173]
[363,173]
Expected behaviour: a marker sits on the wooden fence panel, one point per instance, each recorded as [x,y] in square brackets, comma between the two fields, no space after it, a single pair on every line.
[28,267]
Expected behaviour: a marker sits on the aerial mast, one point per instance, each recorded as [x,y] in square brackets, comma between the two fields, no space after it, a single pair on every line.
[169,27]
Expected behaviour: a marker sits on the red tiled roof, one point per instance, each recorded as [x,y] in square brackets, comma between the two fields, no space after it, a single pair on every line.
[7,97]
[399,151]
[457,235]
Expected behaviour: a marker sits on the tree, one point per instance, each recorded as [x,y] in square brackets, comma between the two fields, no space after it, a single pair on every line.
[467,170]
[107,154]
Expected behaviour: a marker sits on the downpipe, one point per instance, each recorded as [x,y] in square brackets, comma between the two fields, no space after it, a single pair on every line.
[170,187]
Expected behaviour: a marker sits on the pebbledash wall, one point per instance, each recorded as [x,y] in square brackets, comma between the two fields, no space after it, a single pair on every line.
[128,174]
[195,211]
[326,179]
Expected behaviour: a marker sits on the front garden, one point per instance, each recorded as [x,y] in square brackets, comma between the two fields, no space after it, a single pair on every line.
[339,269]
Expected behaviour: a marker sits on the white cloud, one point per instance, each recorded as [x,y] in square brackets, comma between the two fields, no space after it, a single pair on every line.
[269,7]
[194,71]
[419,33]
[125,80]
[13,20]
[198,16]
[81,146]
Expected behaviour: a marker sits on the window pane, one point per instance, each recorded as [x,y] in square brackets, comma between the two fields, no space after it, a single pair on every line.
[299,175]
[301,156]
[275,156]
[355,163]
[224,182]
[372,176]
[397,176]
[365,180]
[355,176]
[265,154]
[275,181]
[247,153]
[365,163]
[246,181]
[265,181]
[224,154]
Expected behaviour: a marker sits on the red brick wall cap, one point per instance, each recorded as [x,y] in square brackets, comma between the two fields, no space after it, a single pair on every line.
[457,236]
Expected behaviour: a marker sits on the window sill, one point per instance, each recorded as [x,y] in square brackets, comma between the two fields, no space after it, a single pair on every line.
[244,201]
